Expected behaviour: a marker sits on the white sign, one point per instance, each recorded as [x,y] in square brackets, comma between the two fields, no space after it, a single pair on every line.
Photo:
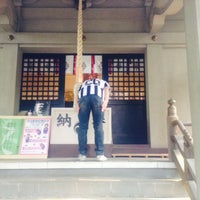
[64,122]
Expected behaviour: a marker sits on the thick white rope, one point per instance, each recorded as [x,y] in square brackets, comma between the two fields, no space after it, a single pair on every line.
[79,62]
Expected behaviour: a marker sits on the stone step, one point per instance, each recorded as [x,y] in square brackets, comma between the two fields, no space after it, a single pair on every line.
[65,163]
[91,180]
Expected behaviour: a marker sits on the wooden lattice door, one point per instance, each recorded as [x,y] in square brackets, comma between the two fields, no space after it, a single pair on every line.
[42,80]
[126,76]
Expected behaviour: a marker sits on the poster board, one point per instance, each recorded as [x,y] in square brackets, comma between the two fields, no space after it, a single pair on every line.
[35,137]
[10,135]
[24,137]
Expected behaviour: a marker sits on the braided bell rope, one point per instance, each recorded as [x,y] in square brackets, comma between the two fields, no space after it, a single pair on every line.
[79,44]
[79,63]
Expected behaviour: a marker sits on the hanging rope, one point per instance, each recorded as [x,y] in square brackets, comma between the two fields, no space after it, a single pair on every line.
[79,63]
[79,43]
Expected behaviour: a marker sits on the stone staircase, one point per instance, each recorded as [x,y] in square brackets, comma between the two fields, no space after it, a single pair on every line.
[116,179]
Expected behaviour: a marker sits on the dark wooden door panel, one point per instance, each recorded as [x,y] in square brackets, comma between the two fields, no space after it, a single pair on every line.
[129,123]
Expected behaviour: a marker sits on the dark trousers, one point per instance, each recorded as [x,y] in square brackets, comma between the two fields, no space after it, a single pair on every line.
[87,104]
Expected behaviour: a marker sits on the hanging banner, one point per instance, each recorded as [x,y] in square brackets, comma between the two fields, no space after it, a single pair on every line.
[35,137]
[91,64]
[10,135]
[97,64]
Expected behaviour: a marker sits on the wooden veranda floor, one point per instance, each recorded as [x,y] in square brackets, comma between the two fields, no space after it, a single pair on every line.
[114,150]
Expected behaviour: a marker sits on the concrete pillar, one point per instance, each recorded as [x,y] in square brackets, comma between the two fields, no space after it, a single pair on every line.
[155,83]
[10,79]
[192,26]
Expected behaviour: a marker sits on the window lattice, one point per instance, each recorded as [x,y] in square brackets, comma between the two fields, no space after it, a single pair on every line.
[126,77]
[40,79]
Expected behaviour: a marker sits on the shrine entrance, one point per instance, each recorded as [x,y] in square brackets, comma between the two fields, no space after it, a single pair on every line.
[44,75]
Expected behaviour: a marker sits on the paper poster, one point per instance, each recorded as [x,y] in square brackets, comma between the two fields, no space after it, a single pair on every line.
[10,135]
[35,137]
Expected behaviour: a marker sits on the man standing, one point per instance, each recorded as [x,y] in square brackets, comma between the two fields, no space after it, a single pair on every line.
[93,96]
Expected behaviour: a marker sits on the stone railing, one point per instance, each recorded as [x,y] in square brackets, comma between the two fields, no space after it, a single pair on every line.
[181,149]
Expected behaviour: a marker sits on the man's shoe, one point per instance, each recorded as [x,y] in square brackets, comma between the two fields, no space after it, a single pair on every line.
[101,158]
[81,157]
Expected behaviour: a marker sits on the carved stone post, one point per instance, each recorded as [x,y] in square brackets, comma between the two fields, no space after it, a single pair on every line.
[171,129]
[188,144]
[189,154]
[188,150]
